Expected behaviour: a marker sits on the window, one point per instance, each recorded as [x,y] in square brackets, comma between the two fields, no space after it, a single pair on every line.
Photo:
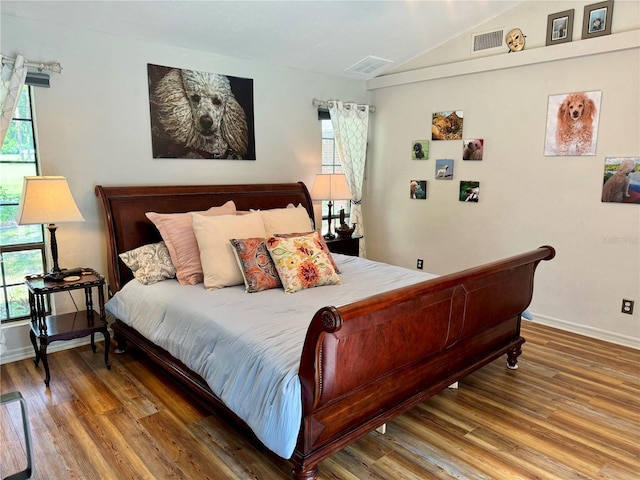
[21,247]
[331,164]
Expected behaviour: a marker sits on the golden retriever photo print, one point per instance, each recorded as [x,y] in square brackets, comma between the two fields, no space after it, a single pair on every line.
[200,115]
[572,124]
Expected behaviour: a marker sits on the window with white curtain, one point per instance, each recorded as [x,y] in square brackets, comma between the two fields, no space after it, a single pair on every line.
[330,164]
[22,249]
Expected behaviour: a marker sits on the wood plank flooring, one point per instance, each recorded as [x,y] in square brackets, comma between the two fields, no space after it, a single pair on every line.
[571,411]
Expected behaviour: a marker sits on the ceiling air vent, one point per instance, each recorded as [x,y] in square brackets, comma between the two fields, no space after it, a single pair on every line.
[369,66]
[487,41]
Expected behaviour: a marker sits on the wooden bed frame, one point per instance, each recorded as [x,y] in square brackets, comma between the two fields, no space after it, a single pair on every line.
[416,340]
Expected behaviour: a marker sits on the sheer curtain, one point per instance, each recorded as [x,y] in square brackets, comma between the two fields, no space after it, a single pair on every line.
[350,127]
[10,89]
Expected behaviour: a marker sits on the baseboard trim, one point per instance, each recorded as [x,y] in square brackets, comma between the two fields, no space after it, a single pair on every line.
[27,351]
[599,334]
[627,341]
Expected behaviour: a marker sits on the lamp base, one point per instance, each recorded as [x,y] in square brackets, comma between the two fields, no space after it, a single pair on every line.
[54,276]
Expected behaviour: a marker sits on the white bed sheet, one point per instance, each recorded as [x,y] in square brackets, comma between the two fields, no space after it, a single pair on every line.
[247,346]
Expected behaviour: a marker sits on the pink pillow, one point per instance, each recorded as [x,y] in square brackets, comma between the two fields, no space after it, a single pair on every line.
[176,230]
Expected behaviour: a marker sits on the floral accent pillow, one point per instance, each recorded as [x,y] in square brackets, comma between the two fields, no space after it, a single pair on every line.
[301,263]
[150,263]
[319,239]
[257,268]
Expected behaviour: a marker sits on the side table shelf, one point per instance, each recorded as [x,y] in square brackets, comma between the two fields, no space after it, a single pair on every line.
[66,326]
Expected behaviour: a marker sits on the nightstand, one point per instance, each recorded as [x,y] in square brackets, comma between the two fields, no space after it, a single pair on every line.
[345,245]
[51,328]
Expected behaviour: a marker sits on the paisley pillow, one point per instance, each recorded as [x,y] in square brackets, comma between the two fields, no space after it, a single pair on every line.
[301,262]
[150,263]
[258,271]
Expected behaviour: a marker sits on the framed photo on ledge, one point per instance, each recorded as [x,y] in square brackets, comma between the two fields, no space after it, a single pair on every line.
[560,27]
[597,19]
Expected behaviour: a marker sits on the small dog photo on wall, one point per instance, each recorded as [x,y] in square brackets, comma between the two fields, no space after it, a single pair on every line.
[418,189]
[472,149]
[420,150]
[447,125]
[621,183]
[444,169]
[572,124]
[469,191]
[200,114]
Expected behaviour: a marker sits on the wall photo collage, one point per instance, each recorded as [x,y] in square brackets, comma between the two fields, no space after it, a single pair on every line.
[572,130]
[447,126]
[571,124]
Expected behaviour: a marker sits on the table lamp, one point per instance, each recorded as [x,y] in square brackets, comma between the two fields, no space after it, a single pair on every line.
[330,186]
[48,200]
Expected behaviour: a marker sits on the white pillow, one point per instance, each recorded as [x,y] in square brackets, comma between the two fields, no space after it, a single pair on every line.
[219,263]
[286,220]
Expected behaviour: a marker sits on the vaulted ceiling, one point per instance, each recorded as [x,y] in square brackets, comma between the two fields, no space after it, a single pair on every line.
[311,35]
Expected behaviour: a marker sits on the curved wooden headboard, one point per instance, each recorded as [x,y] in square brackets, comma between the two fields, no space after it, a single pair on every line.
[128,228]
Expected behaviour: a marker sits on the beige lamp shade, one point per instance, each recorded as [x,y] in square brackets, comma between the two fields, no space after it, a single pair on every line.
[330,186]
[47,200]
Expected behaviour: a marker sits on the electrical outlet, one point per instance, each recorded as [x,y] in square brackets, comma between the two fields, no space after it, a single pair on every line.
[419,264]
[627,306]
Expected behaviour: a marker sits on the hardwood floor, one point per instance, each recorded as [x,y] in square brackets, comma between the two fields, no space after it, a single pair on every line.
[571,411]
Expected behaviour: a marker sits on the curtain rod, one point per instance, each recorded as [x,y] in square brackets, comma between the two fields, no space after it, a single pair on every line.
[53,67]
[327,104]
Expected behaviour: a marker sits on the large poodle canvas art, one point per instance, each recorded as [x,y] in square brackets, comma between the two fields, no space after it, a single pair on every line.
[572,124]
[198,114]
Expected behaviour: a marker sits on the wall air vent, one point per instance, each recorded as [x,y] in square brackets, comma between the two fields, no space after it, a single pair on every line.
[369,66]
[488,41]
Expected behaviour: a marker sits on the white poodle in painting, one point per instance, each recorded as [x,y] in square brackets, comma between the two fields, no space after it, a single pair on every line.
[442,172]
[199,111]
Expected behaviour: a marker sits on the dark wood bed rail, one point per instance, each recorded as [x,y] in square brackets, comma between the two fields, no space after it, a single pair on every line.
[416,341]
[454,305]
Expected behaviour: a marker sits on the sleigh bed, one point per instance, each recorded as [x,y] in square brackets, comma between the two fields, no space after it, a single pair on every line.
[361,363]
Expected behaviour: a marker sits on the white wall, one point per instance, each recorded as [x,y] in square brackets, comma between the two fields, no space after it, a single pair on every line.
[94,128]
[526,199]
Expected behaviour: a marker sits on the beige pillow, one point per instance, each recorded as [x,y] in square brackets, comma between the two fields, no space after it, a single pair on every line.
[219,263]
[177,232]
[286,220]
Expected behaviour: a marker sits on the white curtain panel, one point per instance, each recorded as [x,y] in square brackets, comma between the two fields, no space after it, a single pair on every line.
[10,89]
[350,128]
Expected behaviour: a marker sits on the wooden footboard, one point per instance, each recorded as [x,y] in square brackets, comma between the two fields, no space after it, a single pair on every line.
[364,363]
[367,362]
